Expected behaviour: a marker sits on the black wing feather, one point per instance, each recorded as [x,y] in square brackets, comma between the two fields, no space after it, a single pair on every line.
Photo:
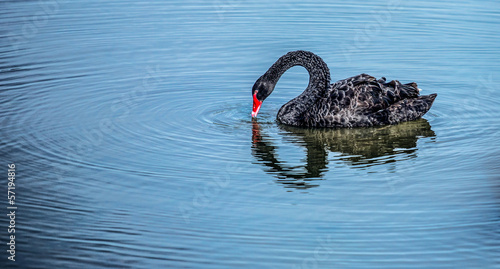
[365,101]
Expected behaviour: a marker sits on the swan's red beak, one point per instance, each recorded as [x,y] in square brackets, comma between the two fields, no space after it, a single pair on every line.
[256,105]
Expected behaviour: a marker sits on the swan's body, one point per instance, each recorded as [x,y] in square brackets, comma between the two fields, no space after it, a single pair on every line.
[358,101]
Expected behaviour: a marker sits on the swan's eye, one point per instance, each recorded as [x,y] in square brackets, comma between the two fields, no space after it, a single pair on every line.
[260,94]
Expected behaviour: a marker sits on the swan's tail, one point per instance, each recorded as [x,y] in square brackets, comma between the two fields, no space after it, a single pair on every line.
[405,110]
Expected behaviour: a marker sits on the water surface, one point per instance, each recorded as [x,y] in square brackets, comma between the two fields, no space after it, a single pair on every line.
[129,123]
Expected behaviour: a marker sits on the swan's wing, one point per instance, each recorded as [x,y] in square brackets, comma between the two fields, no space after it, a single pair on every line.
[404,110]
[365,101]
[364,93]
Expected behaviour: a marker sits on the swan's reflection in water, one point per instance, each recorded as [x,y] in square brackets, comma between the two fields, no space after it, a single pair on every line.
[358,148]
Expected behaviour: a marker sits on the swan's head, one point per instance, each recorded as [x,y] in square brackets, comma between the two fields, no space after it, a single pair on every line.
[260,91]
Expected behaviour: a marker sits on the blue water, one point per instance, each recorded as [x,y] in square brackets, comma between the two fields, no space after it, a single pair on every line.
[129,125]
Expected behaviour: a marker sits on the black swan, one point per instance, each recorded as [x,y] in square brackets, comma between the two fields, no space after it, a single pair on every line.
[359,101]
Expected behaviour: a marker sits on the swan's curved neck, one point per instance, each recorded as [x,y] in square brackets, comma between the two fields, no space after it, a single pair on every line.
[319,74]
[319,81]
